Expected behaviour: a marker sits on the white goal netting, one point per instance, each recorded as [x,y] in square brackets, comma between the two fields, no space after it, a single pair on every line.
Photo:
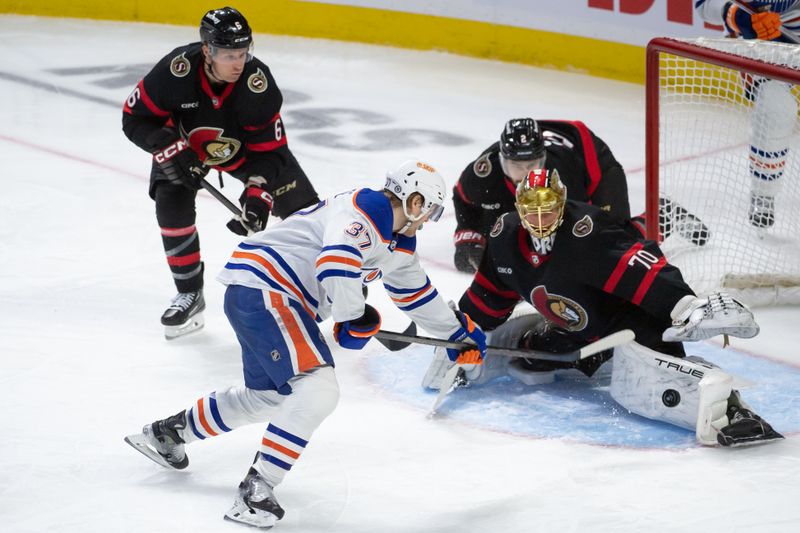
[729,154]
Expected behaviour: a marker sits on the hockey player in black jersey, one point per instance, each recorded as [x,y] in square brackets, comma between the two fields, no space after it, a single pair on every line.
[592,174]
[212,105]
[589,275]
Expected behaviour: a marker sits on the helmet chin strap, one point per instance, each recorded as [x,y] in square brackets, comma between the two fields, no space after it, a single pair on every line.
[409,219]
[405,228]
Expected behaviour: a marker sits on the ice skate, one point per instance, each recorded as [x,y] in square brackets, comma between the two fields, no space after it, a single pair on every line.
[745,428]
[673,218]
[762,211]
[184,315]
[161,442]
[255,504]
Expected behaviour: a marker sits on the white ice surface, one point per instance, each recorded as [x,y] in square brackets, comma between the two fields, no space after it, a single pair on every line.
[83,281]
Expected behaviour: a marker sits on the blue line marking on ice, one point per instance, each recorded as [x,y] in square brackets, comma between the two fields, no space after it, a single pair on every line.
[581,409]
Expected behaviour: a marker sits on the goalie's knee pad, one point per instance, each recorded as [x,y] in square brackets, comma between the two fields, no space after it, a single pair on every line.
[689,393]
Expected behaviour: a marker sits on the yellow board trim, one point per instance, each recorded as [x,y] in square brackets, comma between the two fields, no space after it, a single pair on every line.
[374,26]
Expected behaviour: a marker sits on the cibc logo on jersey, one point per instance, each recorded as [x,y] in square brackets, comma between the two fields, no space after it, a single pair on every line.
[209,141]
[563,312]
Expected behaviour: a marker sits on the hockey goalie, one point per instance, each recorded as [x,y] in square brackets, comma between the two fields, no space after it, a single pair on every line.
[589,276]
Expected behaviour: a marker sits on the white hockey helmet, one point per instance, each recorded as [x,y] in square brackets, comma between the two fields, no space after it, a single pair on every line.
[415,176]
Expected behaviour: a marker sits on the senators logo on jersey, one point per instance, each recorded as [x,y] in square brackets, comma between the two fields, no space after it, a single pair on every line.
[583,227]
[257,82]
[563,312]
[210,143]
[482,167]
[180,66]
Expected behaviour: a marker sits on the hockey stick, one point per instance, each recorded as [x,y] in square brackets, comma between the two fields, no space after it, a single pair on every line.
[749,11]
[233,208]
[450,379]
[615,339]
[394,344]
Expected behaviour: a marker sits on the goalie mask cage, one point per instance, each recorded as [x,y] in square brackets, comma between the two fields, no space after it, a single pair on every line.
[702,114]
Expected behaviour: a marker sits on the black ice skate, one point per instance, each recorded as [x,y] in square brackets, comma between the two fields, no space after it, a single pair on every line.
[161,442]
[762,211]
[255,504]
[674,218]
[184,315]
[745,427]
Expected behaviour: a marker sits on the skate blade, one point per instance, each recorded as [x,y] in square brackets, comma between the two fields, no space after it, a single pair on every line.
[193,324]
[139,443]
[242,514]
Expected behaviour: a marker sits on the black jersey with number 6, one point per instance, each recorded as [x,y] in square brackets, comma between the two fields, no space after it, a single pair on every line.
[228,126]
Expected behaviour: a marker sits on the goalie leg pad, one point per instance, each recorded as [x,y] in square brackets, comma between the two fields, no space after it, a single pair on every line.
[690,394]
[492,367]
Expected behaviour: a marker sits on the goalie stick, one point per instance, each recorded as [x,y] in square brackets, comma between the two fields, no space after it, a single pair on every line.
[405,339]
[451,380]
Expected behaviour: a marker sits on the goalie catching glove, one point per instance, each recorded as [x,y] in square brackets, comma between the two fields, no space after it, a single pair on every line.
[703,317]
[355,334]
[471,333]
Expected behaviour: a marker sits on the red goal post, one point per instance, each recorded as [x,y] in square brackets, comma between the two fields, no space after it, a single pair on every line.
[702,109]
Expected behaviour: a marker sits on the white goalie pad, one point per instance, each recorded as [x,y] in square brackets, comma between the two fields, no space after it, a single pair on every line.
[689,392]
[441,364]
[506,335]
[704,317]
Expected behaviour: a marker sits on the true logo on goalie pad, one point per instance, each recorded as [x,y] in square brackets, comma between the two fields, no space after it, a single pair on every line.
[689,371]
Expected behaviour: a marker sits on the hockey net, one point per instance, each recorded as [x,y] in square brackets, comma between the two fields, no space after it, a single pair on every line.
[723,138]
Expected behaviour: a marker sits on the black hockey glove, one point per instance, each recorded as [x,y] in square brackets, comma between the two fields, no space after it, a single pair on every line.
[256,205]
[469,250]
[181,165]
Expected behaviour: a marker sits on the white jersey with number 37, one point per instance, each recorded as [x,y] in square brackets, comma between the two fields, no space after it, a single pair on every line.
[322,255]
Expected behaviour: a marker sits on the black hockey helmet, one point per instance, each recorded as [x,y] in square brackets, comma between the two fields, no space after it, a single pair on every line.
[225,28]
[521,140]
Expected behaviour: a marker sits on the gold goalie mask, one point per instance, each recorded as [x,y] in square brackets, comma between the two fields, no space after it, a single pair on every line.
[540,202]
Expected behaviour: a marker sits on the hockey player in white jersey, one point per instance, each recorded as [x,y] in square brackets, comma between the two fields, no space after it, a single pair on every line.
[775,109]
[281,283]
